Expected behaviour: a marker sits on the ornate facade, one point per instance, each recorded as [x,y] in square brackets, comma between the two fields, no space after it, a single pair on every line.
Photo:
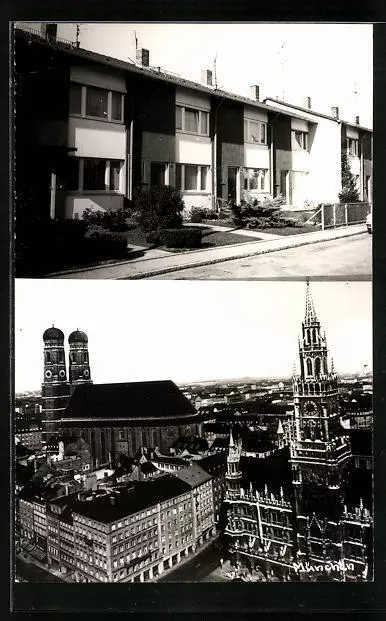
[313,520]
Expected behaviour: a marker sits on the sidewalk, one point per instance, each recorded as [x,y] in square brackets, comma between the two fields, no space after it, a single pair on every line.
[144,268]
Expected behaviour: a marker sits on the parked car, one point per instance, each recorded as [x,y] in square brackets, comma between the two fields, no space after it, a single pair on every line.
[369,222]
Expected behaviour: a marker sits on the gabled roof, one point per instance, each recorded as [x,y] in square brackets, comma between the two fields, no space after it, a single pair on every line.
[130,400]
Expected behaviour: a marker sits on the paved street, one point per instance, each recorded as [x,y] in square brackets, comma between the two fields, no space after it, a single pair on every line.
[200,568]
[33,573]
[349,258]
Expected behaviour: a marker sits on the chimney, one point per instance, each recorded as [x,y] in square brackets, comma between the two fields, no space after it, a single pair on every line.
[357,120]
[254,92]
[307,102]
[142,57]
[335,112]
[207,77]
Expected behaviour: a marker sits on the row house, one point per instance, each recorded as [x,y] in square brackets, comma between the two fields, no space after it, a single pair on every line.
[128,533]
[313,172]
[91,129]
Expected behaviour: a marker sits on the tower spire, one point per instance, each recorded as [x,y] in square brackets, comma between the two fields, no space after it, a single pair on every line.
[310,314]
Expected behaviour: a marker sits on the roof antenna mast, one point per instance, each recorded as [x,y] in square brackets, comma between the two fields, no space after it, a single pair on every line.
[215,71]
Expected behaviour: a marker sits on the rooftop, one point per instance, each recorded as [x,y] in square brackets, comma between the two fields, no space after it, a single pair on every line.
[127,501]
[314,113]
[131,400]
[193,475]
[154,73]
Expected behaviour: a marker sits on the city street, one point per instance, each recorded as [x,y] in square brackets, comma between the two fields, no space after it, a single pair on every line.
[199,568]
[349,257]
[30,572]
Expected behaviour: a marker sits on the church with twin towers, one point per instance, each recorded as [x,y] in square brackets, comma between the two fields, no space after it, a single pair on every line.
[111,418]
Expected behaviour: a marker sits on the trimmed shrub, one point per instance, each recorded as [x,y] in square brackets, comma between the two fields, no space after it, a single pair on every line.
[112,220]
[102,244]
[196,214]
[44,245]
[159,208]
[181,238]
[153,238]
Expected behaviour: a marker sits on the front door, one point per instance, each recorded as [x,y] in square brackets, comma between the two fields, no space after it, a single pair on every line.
[233,190]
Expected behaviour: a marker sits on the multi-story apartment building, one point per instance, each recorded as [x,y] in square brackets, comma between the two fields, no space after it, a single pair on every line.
[201,495]
[96,128]
[129,533]
[305,512]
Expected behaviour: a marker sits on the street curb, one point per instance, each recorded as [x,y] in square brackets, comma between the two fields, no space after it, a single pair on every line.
[300,241]
[257,252]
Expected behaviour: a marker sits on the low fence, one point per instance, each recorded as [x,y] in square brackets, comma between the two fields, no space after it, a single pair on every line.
[330,216]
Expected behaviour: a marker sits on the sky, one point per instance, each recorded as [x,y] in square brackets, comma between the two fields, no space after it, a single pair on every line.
[189,331]
[331,63]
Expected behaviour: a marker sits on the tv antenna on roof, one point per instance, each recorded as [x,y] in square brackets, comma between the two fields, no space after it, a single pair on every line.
[215,70]
[77,35]
[283,45]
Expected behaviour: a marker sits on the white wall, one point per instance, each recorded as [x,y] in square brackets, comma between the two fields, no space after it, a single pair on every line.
[93,138]
[76,204]
[192,98]
[108,77]
[324,162]
[255,114]
[198,199]
[193,149]
[256,156]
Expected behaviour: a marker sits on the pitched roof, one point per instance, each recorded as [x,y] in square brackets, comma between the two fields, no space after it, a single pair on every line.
[314,113]
[194,475]
[126,501]
[214,464]
[148,72]
[129,400]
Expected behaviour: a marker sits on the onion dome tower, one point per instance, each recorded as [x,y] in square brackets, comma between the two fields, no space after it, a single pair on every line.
[79,366]
[55,387]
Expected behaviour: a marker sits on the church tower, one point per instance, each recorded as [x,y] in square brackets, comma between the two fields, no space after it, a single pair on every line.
[79,364]
[320,452]
[55,387]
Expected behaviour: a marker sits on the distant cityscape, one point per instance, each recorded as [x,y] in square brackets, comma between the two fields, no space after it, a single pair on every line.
[266,479]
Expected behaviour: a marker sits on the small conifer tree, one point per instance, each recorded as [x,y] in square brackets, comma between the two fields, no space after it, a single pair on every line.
[349,192]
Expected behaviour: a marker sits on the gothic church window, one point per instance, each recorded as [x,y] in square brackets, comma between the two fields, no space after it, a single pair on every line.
[309,366]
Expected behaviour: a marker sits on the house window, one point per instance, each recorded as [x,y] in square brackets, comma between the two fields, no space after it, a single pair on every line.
[158,172]
[255,179]
[353,147]
[255,132]
[115,171]
[97,103]
[93,174]
[192,120]
[191,178]
[75,98]
[116,106]
[301,140]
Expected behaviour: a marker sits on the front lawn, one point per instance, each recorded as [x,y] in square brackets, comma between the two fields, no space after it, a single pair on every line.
[210,239]
[285,230]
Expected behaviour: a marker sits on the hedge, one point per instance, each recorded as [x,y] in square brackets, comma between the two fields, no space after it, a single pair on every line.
[176,238]
[44,245]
